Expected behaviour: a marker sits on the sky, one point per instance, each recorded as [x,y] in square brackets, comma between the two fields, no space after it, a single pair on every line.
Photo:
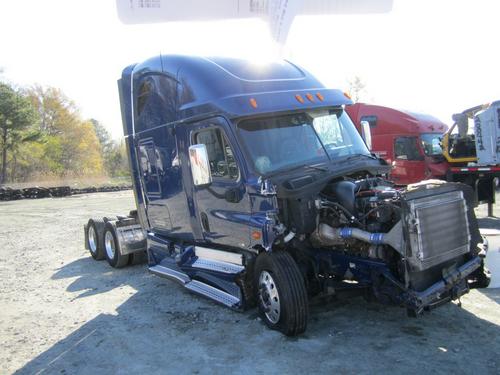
[434,56]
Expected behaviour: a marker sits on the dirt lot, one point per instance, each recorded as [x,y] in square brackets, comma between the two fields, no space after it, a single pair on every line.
[61,312]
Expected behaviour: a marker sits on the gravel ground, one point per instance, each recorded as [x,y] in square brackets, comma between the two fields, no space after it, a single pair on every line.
[61,312]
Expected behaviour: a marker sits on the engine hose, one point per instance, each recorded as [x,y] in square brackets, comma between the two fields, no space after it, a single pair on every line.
[373,238]
[330,235]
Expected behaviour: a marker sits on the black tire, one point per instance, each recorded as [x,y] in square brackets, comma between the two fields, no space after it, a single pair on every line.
[95,246]
[112,248]
[286,278]
[481,278]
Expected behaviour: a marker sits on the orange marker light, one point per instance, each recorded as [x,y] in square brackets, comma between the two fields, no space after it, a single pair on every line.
[256,235]
[320,97]
[299,98]
[310,97]
[347,95]
[253,103]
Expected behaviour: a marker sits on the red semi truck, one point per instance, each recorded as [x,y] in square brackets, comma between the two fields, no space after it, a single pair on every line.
[412,143]
[409,141]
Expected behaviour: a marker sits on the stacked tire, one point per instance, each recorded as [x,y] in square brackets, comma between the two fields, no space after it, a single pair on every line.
[9,194]
[36,192]
[60,191]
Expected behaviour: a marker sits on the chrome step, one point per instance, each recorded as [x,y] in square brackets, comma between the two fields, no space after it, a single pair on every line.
[170,273]
[213,293]
[218,255]
[218,266]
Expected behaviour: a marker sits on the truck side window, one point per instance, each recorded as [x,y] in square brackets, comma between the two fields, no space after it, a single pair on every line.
[220,154]
[156,102]
[372,120]
[148,159]
[405,148]
[143,95]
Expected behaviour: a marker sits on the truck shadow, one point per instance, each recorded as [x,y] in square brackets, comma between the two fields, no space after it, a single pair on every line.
[162,328]
[98,277]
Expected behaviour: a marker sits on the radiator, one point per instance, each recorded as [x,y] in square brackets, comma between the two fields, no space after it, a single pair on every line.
[438,228]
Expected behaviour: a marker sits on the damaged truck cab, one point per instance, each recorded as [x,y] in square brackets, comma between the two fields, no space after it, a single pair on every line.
[253,186]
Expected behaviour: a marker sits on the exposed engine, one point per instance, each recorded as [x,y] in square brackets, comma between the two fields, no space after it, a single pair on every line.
[419,232]
[355,214]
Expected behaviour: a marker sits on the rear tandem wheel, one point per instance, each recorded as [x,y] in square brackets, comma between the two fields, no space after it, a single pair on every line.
[95,238]
[112,248]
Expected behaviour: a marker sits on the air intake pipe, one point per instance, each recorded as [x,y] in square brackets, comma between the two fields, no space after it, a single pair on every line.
[333,236]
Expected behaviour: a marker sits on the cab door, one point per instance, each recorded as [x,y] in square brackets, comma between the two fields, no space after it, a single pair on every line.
[223,208]
[408,164]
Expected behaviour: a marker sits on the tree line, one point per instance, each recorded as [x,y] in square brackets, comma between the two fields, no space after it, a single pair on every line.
[43,136]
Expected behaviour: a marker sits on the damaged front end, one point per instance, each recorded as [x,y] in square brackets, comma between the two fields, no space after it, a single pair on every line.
[419,247]
[441,243]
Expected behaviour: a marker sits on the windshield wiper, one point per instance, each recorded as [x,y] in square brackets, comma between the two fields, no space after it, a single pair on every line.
[322,169]
[315,167]
[358,155]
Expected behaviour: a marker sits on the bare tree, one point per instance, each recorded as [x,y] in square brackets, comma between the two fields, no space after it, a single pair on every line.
[356,88]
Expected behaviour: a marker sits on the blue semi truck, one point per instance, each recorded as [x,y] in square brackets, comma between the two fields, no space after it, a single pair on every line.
[253,187]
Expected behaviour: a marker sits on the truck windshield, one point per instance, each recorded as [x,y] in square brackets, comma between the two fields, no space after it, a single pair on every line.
[282,142]
[431,143]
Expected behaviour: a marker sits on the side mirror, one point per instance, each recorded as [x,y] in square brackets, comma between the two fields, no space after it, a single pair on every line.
[200,165]
[366,134]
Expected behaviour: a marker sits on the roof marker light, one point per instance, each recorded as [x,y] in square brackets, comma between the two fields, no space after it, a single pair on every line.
[253,102]
[346,94]
[310,97]
[319,96]
[299,98]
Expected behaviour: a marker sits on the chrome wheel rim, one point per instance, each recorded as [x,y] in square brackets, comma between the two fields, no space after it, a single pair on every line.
[92,240]
[109,244]
[269,297]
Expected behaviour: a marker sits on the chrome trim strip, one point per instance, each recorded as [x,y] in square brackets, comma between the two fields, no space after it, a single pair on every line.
[218,255]
[214,265]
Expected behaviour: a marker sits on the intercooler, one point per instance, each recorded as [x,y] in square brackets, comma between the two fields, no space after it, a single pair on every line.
[438,229]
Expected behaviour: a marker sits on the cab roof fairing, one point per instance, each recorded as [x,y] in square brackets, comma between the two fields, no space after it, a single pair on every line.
[267,103]
[228,84]
[220,85]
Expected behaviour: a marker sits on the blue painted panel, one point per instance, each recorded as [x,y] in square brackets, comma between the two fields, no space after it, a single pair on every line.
[136,181]
[228,222]
[168,94]
[167,204]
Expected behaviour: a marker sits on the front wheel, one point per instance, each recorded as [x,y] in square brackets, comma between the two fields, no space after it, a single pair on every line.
[281,293]
[481,278]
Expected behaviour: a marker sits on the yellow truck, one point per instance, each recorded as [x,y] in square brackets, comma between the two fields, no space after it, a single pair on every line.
[472,148]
